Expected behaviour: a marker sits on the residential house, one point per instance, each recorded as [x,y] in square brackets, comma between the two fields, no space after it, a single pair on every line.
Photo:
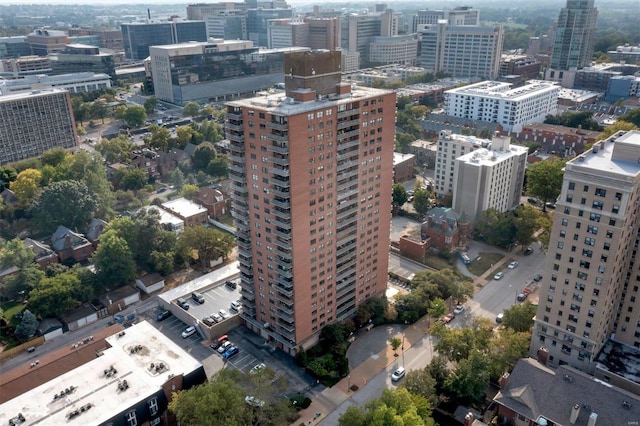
[71,246]
[191,213]
[117,300]
[446,229]
[404,167]
[43,254]
[80,317]
[169,221]
[50,328]
[534,395]
[94,230]
[214,201]
[113,168]
[9,198]
[168,161]
[147,161]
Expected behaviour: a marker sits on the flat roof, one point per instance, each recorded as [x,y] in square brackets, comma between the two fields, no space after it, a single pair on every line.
[399,157]
[620,359]
[489,157]
[30,94]
[91,386]
[601,158]
[184,207]
[503,90]
[278,103]
[197,284]
[166,217]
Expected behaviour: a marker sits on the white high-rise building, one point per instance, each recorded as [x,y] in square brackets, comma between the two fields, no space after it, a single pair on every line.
[489,178]
[497,102]
[450,147]
[464,15]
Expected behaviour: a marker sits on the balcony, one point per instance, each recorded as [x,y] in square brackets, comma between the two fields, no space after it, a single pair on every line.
[283,225]
[282,148]
[345,136]
[347,250]
[352,184]
[278,126]
[280,161]
[284,252]
[284,273]
[235,137]
[346,165]
[240,179]
[235,167]
[288,292]
[279,172]
[348,113]
[247,270]
[287,326]
[240,215]
[247,294]
[347,123]
[242,189]
[282,234]
[278,138]
[283,204]
[281,192]
[282,214]
[345,275]
[340,268]
[284,263]
[232,126]
[284,307]
[245,244]
[342,147]
[236,116]
[347,203]
[347,194]
[284,183]
[352,155]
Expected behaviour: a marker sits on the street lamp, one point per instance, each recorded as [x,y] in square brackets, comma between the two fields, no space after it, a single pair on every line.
[348,383]
[403,348]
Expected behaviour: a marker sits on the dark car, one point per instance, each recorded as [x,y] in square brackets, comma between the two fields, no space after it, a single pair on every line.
[528,251]
[550,206]
[231,352]
[231,284]
[220,340]
[163,315]
[537,277]
[532,200]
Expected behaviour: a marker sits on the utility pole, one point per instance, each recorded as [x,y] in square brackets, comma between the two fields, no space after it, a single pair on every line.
[403,348]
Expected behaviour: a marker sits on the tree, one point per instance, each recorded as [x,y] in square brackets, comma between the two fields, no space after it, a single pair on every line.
[422,383]
[507,347]
[203,155]
[222,399]
[399,195]
[219,166]
[28,326]
[189,191]
[113,260]
[26,186]
[544,180]
[150,104]
[130,178]
[616,127]
[7,175]
[470,377]
[526,223]
[395,343]
[632,116]
[394,407]
[210,243]
[68,203]
[176,177]
[120,112]
[56,295]
[519,317]
[54,157]
[89,169]
[184,135]
[116,150]
[135,116]
[14,253]
[99,110]
[191,109]
[437,308]
[421,201]
[160,137]
[403,142]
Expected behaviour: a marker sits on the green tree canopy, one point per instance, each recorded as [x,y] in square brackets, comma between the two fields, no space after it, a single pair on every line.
[421,201]
[399,195]
[219,166]
[28,325]
[68,203]
[519,317]
[191,109]
[150,104]
[116,150]
[632,116]
[616,127]
[394,407]
[135,116]
[470,378]
[203,155]
[113,260]
[210,243]
[26,186]
[54,296]
[422,383]
[544,179]
[160,137]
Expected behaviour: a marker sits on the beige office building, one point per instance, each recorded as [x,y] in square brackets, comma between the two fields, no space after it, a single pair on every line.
[591,280]
[311,175]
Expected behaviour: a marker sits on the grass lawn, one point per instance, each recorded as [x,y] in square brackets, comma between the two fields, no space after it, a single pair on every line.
[479,267]
[11,309]
[438,262]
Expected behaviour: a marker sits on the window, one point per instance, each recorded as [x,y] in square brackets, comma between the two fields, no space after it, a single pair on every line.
[131,418]
[153,406]
[601,192]
[155,422]
[572,186]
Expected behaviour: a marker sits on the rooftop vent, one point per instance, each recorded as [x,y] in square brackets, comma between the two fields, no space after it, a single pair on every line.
[123,386]
[626,405]
[568,378]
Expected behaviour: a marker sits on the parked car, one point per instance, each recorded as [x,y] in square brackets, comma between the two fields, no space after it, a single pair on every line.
[398,374]
[532,201]
[224,314]
[257,368]
[209,321]
[550,206]
[163,315]
[458,310]
[537,278]
[522,297]
[231,352]
[216,317]
[498,275]
[224,346]
[189,331]
[236,306]
[231,284]
[253,401]
[512,265]
[219,341]
[499,317]
[183,304]
[198,297]
[528,251]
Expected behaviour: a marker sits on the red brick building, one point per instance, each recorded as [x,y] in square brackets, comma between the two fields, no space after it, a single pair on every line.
[555,139]
[214,201]
[446,229]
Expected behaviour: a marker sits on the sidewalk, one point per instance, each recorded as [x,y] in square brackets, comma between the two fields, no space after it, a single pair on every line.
[332,397]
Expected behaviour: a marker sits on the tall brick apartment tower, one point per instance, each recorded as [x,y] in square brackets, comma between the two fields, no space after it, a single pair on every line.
[312,174]
[591,283]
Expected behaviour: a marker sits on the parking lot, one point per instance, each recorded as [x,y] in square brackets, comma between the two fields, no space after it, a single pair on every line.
[215,298]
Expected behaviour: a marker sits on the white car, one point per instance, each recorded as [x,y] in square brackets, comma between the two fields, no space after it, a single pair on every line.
[257,368]
[189,331]
[224,314]
[458,310]
[224,346]
[398,374]
[498,276]
[253,401]
[499,317]
[513,265]
[216,317]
